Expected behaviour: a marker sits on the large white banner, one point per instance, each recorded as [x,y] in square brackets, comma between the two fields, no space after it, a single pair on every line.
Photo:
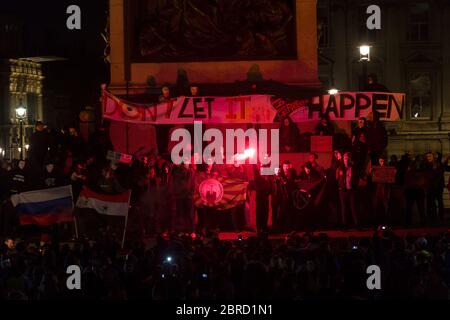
[255,108]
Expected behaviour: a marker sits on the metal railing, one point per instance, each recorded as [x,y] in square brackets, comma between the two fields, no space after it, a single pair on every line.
[10,140]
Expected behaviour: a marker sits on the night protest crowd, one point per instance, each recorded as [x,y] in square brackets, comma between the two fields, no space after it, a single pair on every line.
[189,262]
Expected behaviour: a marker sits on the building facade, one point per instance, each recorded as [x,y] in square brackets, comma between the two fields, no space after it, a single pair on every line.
[21,83]
[410,53]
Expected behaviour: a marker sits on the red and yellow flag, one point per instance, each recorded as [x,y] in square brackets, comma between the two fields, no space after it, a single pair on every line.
[220,193]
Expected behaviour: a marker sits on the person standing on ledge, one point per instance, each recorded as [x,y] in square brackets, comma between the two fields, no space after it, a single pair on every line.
[289,136]
[372,84]
[165,95]
[39,147]
[324,127]
[194,90]
[263,189]
[347,179]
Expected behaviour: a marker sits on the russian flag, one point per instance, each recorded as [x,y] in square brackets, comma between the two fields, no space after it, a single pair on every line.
[44,207]
[113,205]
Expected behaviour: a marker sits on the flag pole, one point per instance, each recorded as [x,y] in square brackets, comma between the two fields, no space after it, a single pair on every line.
[126,221]
[76,225]
[74,215]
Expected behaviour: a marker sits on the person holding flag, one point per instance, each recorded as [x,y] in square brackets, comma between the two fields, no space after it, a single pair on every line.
[106,204]
[44,207]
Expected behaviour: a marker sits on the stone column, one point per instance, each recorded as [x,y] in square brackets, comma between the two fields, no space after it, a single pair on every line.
[306,11]
[339,42]
[117,38]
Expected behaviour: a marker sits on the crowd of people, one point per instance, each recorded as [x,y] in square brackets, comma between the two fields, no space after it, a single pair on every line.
[162,193]
[188,261]
[183,267]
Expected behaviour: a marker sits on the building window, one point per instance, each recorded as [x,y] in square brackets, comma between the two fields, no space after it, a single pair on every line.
[322,27]
[420,88]
[419,22]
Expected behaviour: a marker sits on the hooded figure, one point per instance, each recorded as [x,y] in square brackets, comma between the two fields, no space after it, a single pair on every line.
[50,178]
[289,136]
[18,179]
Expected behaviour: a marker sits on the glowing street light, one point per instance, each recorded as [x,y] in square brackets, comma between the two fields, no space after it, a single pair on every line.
[21,114]
[364,58]
[364,53]
[333,91]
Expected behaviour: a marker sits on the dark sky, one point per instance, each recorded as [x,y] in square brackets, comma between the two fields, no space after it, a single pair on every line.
[38,28]
[44,31]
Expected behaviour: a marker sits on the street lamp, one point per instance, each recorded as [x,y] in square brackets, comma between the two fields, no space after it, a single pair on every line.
[364,57]
[333,91]
[21,113]
[364,53]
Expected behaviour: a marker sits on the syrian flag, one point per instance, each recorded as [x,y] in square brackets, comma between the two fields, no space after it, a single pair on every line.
[112,205]
[44,207]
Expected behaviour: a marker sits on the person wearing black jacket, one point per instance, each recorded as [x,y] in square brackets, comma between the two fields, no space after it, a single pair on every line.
[331,194]
[75,143]
[377,138]
[312,160]
[39,147]
[99,144]
[347,179]
[290,209]
[309,173]
[18,178]
[50,178]
[324,127]
[373,85]
[289,136]
[434,199]
[182,186]
[415,183]
[360,139]
[78,179]
[279,201]
[263,189]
